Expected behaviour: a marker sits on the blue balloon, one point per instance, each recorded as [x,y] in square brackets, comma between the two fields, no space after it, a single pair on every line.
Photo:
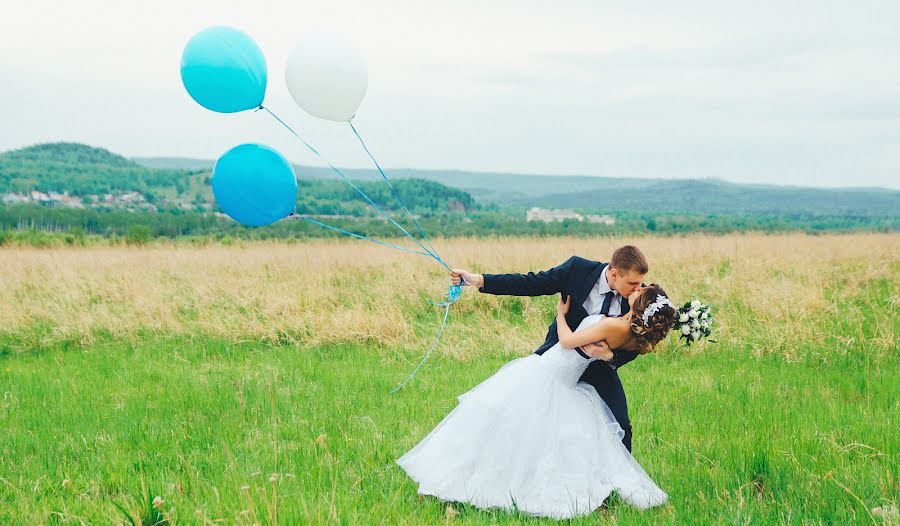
[254,185]
[224,70]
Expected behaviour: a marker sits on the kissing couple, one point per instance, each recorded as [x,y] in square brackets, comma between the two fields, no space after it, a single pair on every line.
[548,434]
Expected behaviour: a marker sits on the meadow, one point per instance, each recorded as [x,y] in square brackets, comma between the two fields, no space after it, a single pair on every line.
[250,384]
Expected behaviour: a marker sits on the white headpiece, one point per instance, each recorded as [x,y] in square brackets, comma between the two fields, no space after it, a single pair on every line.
[661,301]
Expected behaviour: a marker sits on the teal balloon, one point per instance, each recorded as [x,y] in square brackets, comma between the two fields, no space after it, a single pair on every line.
[254,185]
[224,70]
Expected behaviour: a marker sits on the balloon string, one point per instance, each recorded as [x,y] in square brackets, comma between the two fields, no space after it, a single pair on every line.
[396,194]
[427,354]
[348,181]
[453,292]
[359,236]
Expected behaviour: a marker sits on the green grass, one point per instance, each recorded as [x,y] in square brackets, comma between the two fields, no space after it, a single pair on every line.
[791,419]
[205,424]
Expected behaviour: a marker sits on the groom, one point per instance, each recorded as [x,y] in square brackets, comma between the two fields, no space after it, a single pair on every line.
[595,288]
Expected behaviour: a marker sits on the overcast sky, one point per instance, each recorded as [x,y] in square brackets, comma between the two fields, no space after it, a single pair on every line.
[797,92]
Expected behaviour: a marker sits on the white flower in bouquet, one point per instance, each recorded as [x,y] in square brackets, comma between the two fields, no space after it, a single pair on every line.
[694,321]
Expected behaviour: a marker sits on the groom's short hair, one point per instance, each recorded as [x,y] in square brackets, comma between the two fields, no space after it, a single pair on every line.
[629,258]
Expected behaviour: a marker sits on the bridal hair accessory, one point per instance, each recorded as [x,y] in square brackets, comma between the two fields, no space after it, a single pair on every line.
[693,321]
[661,301]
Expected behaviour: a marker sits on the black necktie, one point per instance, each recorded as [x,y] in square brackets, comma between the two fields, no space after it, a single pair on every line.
[607,301]
[625,306]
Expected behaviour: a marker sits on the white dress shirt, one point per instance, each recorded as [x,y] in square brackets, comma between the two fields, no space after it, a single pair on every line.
[594,301]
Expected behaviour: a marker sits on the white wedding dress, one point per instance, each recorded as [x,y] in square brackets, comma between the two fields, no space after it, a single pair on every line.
[531,438]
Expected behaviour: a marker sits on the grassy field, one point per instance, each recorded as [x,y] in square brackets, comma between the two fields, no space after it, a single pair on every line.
[250,384]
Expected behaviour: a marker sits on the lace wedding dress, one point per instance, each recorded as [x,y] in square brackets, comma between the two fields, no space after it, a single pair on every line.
[531,438]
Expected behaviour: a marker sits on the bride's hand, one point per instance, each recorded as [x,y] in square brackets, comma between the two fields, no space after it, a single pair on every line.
[599,350]
[563,307]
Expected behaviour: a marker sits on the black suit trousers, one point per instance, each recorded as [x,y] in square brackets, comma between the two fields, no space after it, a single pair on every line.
[606,381]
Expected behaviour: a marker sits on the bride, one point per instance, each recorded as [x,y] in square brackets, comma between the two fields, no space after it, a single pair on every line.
[531,438]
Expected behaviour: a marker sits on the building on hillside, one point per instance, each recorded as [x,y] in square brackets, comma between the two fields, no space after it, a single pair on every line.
[606,220]
[550,215]
[71,201]
[12,198]
[131,197]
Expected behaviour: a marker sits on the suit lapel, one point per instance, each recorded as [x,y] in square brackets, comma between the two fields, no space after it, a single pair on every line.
[590,282]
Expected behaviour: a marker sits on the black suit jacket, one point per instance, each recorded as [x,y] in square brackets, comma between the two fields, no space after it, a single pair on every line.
[575,278]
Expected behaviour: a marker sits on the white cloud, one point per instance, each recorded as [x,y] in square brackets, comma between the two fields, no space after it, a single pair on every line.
[793,93]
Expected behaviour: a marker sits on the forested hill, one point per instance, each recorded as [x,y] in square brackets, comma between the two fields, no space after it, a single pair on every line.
[81,170]
[622,194]
[720,197]
[92,177]
[62,187]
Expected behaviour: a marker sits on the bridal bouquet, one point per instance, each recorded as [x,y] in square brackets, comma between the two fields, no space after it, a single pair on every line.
[694,321]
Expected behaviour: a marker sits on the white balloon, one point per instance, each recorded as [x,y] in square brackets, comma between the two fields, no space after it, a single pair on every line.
[327,77]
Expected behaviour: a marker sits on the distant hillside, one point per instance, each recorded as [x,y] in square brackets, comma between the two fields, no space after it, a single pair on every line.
[95,177]
[718,197]
[76,190]
[626,194]
[490,187]
[82,170]
[174,163]
[68,153]
[89,174]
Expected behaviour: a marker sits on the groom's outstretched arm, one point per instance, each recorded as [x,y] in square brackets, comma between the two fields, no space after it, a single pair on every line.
[543,283]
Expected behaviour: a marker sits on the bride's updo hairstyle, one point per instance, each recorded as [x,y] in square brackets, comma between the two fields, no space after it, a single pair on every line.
[659,322]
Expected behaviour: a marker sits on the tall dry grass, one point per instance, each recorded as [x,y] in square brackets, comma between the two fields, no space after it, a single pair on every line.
[218,432]
[776,287]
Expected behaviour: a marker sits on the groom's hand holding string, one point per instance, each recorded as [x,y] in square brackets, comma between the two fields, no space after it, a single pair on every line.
[464,277]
